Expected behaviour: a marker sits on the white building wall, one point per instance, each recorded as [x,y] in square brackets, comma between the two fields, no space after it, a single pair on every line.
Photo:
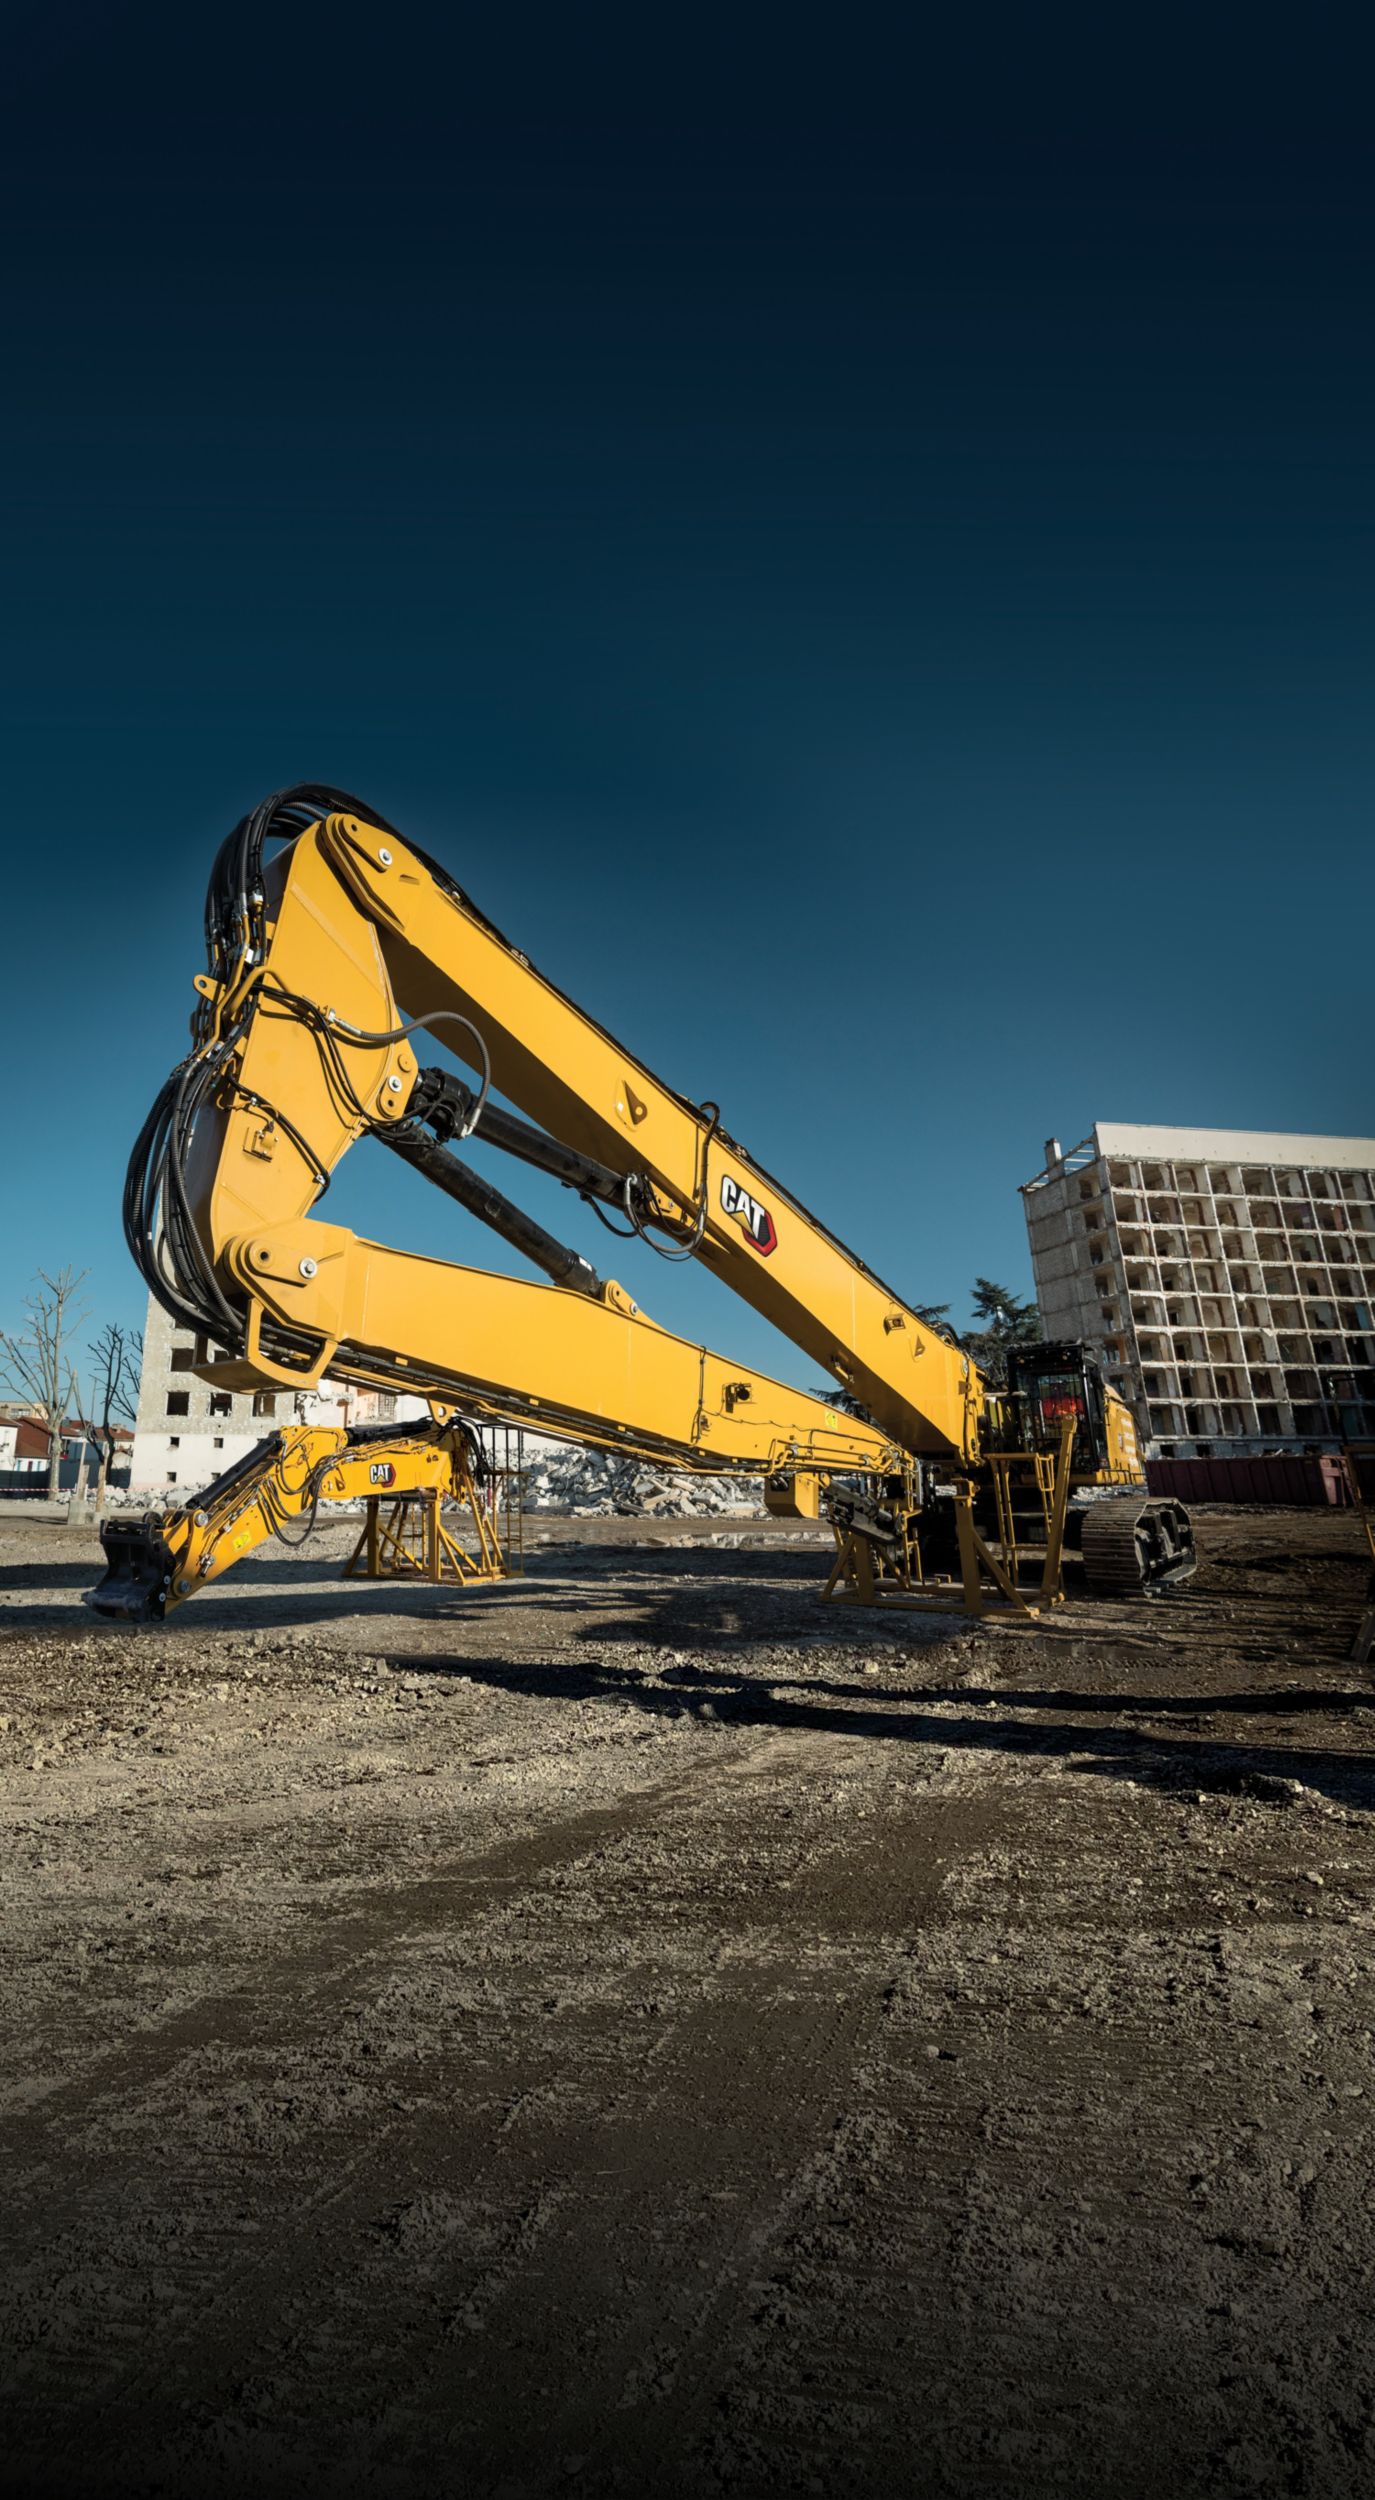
[1226,1277]
[188,1432]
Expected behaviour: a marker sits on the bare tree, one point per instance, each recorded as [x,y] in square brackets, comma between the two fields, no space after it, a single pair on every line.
[116,1360]
[37,1361]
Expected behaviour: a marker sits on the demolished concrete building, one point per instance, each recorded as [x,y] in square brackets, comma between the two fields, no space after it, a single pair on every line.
[1226,1278]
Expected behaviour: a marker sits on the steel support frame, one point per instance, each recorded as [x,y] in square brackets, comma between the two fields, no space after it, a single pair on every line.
[404,1537]
[856,1581]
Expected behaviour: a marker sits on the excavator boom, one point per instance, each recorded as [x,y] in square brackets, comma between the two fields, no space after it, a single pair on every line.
[304,1047]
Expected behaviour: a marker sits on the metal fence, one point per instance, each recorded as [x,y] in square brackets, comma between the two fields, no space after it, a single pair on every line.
[32,1482]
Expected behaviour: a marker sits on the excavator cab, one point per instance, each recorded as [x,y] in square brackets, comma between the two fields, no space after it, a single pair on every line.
[1050,1385]
[1130,1542]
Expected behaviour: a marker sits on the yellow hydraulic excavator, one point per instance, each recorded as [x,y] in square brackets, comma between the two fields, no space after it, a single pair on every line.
[334,949]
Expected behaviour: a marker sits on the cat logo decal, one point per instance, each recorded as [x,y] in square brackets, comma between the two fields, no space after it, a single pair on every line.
[754,1220]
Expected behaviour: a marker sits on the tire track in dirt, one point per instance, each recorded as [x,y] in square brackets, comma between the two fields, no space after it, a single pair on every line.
[662,2284]
[325,1968]
[82,2152]
[592,2236]
[743,2145]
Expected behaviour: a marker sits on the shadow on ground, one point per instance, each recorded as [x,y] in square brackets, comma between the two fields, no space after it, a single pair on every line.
[898,1717]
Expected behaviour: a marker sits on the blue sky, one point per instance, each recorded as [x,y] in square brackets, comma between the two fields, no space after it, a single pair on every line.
[857,552]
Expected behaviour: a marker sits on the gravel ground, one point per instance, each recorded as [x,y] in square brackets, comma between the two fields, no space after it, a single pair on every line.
[632,2029]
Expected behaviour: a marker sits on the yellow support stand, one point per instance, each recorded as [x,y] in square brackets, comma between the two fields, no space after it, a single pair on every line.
[405,1537]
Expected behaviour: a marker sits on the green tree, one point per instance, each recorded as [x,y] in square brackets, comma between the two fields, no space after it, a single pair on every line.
[1006,1321]
[935,1315]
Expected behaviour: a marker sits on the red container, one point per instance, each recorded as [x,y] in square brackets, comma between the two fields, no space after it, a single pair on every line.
[1279,1482]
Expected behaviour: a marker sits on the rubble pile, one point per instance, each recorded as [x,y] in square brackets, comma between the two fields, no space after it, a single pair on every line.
[591,1484]
[595,1484]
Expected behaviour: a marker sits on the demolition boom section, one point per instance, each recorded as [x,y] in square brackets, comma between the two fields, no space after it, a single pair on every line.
[155,1563]
[318,1055]
[301,1047]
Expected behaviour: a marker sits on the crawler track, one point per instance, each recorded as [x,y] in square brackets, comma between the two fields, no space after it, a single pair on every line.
[1134,1548]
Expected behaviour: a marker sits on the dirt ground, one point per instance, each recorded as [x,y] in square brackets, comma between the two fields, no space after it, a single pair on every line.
[634,2029]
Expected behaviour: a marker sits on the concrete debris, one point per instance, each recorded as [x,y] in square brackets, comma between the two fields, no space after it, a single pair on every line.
[594,1484]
